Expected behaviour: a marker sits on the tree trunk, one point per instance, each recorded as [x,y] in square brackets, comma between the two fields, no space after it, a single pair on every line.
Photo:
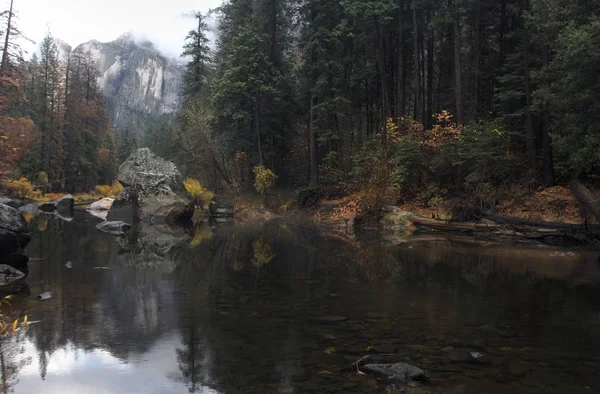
[4,64]
[458,67]
[314,164]
[530,136]
[400,101]
[546,137]
[476,61]
[417,64]
[257,128]
[587,199]
[385,109]
[430,72]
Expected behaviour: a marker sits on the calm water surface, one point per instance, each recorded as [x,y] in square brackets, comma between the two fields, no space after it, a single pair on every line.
[285,308]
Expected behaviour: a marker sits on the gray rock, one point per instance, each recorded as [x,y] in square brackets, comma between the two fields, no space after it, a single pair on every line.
[64,204]
[29,208]
[115,228]
[10,276]
[153,190]
[11,202]
[101,205]
[397,373]
[13,238]
[12,220]
[47,207]
[45,295]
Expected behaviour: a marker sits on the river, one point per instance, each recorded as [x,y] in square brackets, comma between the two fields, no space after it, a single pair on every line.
[287,307]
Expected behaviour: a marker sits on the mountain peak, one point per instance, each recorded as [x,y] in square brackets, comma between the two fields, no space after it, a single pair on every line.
[127,37]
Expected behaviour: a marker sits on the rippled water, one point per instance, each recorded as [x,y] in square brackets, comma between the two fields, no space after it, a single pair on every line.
[286,308]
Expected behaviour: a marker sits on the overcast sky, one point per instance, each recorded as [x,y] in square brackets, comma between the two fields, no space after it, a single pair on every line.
[77,21]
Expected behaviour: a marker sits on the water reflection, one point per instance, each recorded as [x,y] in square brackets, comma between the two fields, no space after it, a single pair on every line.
[285,307]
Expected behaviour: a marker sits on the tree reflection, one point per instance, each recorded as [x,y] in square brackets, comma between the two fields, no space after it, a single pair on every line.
[11,362]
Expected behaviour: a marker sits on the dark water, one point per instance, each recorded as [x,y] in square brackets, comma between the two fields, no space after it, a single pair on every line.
[284,308]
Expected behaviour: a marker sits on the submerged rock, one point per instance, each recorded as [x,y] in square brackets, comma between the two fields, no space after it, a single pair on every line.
[115,228]
[153,191]
[397,373]
[384,366]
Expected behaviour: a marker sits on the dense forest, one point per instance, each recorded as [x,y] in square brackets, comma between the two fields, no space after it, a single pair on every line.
[54,127]
[395,98]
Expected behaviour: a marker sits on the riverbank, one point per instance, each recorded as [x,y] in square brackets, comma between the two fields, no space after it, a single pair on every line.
[549,215]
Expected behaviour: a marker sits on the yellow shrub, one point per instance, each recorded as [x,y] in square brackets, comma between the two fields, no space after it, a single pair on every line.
[116,188]
[103,190]
[21,188]
[264,179]
[198,192]
[84,198]
[108,190]
[47,197]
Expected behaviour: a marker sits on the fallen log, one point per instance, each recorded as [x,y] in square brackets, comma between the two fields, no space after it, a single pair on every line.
[540,224]
[510,229]
[447,225]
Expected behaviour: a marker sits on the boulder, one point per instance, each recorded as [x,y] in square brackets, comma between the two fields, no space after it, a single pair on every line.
[12,220]
[115,228]
[10,276]
[29,208]
[13,238]
[101,205]
[11,202]
[153,191]
[64,204]
[47,207]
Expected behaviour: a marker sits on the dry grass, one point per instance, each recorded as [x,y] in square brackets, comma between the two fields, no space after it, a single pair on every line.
[554,204]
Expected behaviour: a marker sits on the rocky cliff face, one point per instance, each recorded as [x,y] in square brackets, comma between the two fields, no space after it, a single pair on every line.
[138,82]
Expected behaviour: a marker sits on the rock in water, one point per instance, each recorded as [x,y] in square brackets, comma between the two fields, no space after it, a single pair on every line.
[101,205]
[11,202]
[115,228]
[392,371]
[153,191]
[13,238]
[64,204]
[12,220]
[9,275]
[397,373]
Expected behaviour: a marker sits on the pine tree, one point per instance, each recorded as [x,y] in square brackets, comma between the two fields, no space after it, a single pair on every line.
[196,49]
